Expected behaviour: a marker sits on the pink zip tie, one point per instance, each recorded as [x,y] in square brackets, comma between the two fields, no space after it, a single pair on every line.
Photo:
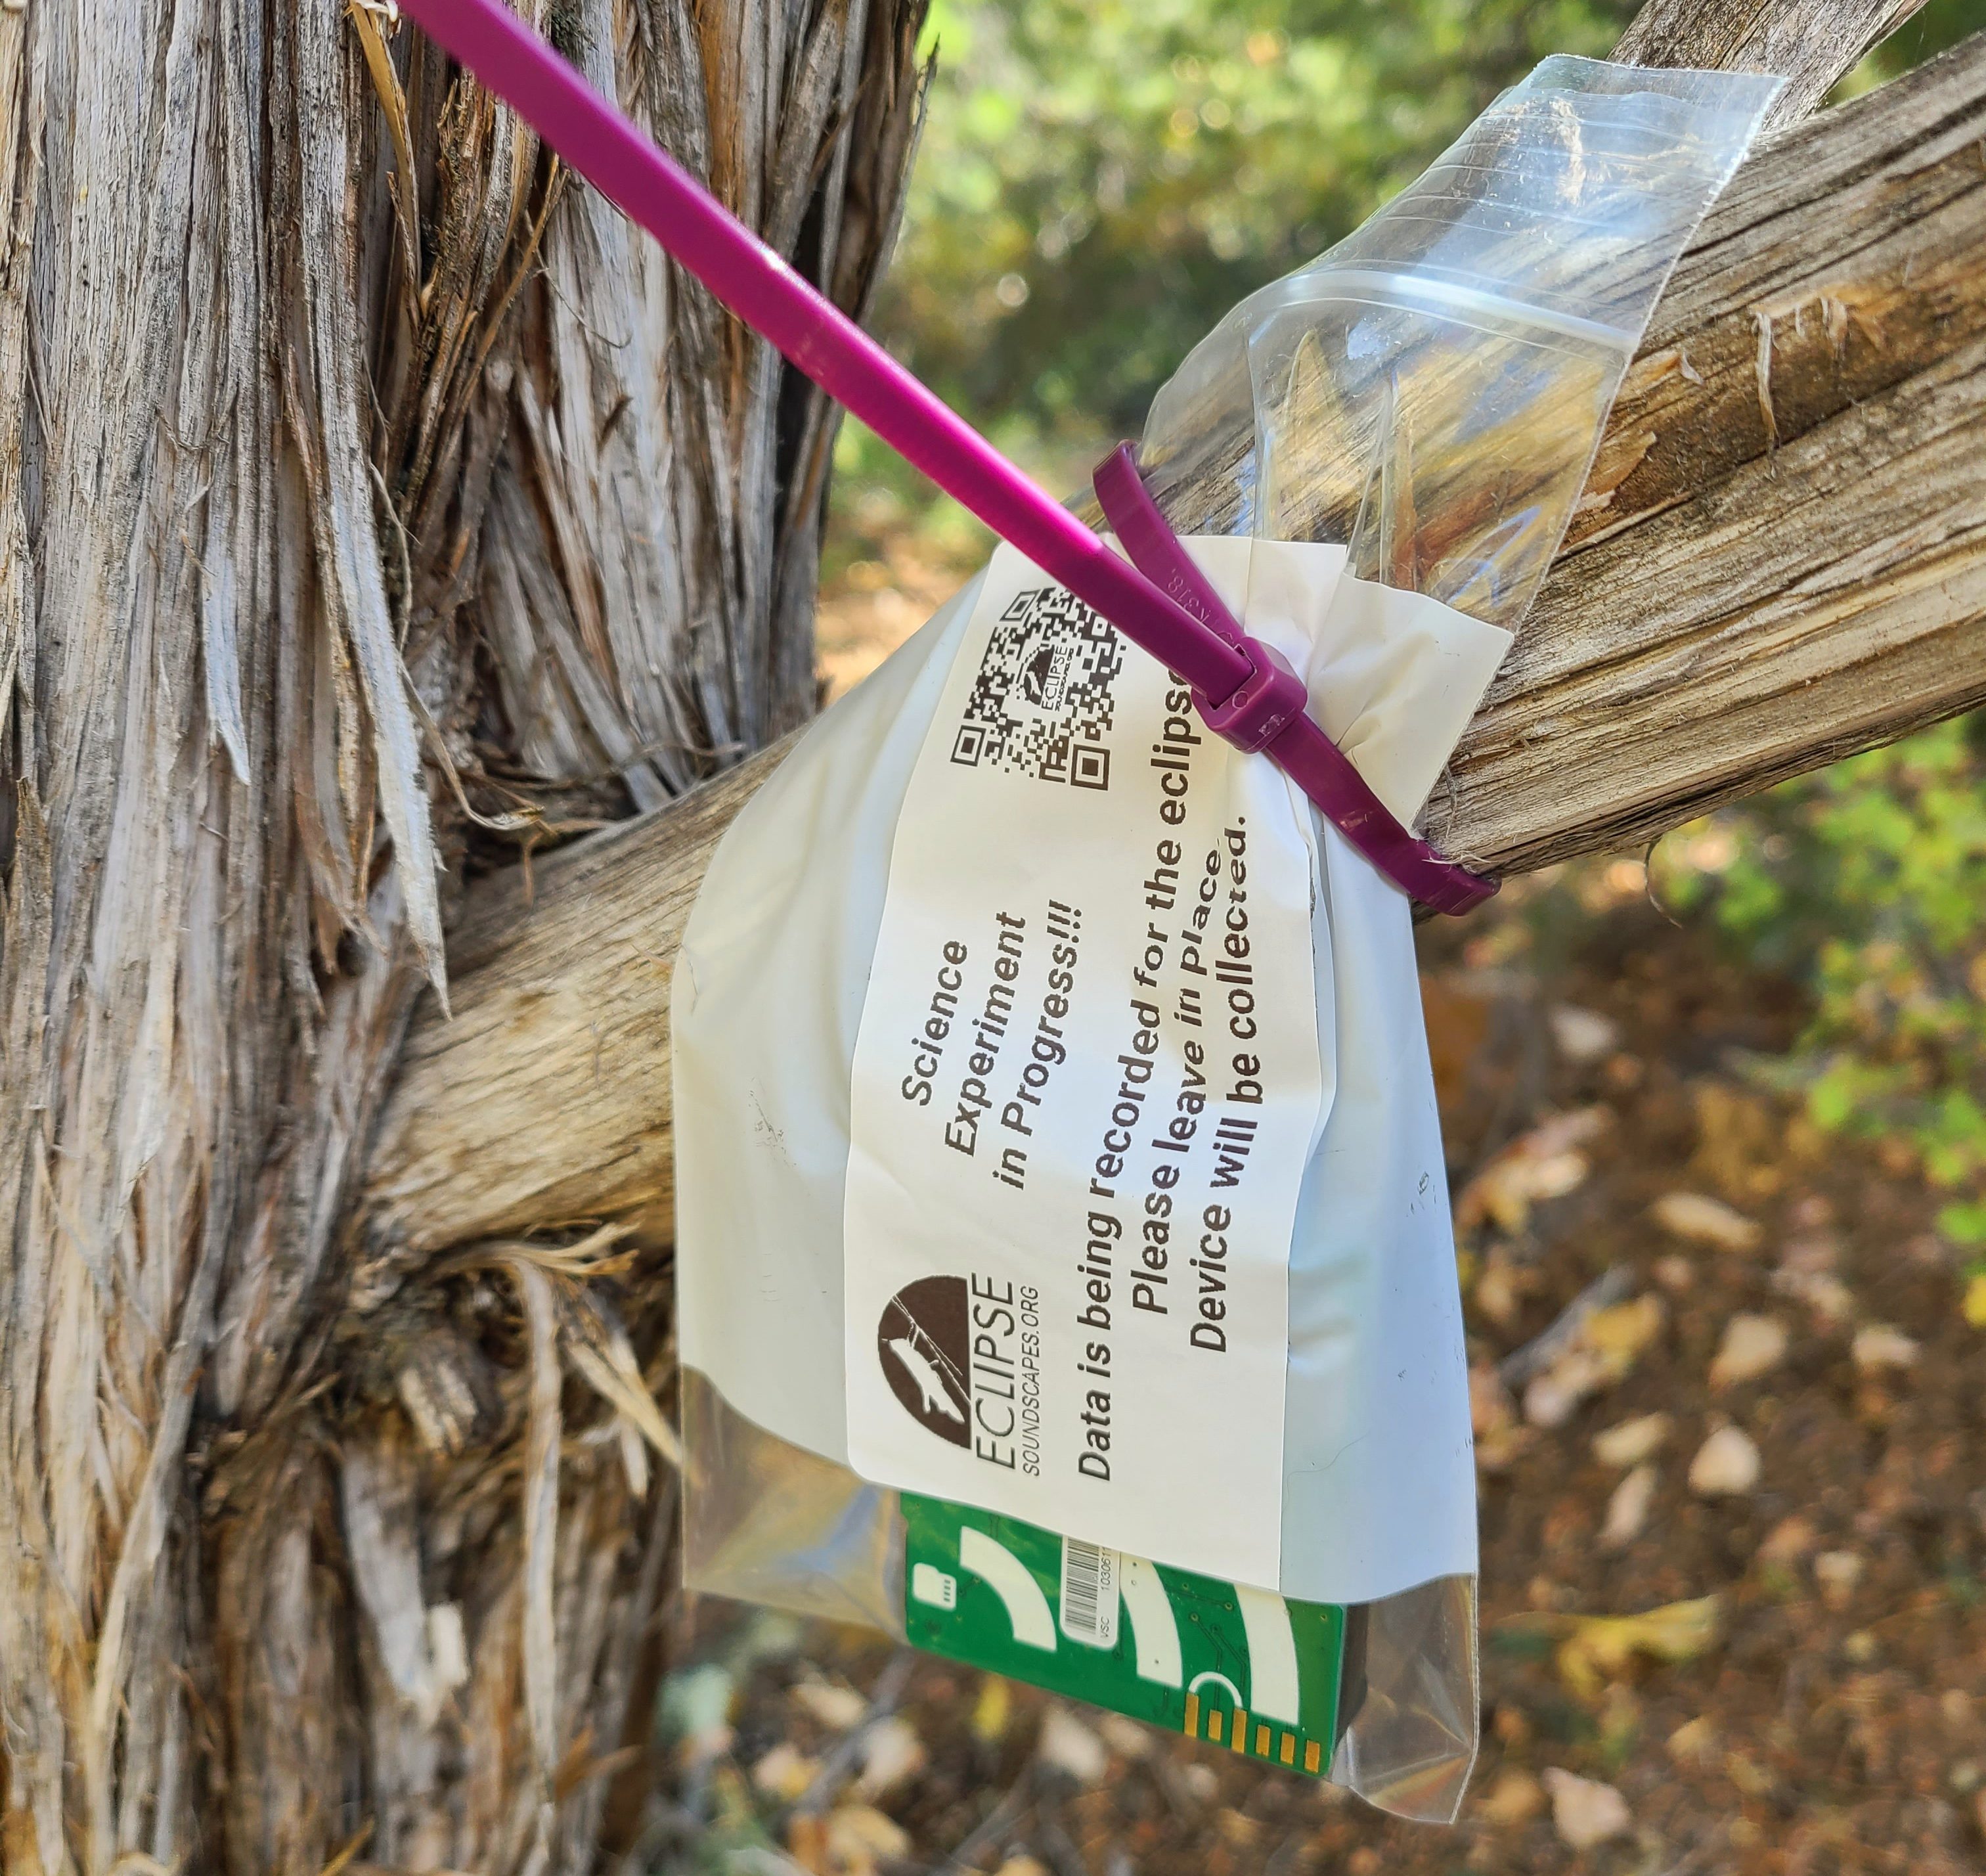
[1267,712]
[658,194]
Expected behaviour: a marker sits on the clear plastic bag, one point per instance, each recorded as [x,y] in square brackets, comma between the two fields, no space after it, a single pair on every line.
[1428,395]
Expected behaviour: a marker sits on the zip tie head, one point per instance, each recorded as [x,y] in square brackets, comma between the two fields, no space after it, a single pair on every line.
[1262,705]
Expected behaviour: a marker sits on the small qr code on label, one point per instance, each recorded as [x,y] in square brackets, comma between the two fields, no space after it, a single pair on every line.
[1090,1583]
[1042,703]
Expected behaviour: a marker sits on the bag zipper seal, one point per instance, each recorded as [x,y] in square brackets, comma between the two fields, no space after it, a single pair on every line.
[596,139]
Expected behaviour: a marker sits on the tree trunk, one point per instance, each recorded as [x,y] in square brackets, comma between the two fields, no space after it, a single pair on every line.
[373,502]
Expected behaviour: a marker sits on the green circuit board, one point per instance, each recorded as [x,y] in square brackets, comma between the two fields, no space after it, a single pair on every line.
[1245,1668]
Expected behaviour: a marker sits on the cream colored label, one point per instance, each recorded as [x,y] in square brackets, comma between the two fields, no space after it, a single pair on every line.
[1086,1084]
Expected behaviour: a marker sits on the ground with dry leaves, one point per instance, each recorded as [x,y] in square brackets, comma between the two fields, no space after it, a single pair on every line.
[1733,1503]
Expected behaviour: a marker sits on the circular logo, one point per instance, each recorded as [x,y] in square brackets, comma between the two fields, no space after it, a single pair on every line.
[924,1344]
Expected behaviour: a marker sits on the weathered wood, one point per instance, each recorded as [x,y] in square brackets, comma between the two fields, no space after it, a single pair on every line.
[1782,557]
[546,1100]
[295,323]
[1809,42]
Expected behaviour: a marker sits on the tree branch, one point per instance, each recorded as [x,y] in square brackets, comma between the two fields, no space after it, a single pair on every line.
[1781,558]
[1809,43]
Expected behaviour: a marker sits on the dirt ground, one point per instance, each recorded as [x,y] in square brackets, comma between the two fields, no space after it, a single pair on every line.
[1616,1132]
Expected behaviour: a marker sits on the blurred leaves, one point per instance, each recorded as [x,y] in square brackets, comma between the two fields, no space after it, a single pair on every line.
[1868,883]
[1546,1163]
[1601,1648]
[1098,182]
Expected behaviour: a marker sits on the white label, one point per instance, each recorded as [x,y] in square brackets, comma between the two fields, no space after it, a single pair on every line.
[938,1588]
[1091,1576]
[1086,1082]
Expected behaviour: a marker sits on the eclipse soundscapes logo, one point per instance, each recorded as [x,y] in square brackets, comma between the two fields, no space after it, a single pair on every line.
[962,1354]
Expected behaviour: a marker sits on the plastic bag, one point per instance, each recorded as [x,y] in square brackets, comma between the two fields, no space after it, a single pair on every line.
[1419,409]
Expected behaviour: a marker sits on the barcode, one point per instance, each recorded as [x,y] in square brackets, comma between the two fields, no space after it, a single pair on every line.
[1090,1575]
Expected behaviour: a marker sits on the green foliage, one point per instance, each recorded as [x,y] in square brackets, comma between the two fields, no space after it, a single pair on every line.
[1099,182]
[1935,27]
[1868,882]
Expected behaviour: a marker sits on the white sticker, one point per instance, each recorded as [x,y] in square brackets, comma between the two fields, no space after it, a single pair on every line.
[1090,1578]
[1087,1082]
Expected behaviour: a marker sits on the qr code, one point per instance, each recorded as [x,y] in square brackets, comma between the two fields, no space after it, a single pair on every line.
[1041,705]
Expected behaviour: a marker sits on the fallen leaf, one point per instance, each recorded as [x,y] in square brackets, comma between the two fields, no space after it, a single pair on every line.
[1694,1743]
[1070,1747]
[1787,1541]
[1725,1464]
[1823,1292]
[1752,1346]
[1021,1866]
[1554,1396]
[1627,1509]
[1748,1775]
[1697,1218]
[1490,1405]
[1494,1421]
[1975,1304]
[1513,1800]
[1810,1211]
[1201,1781]
[1500,1449]
[1675,1273]
[1544,1164]
[1582,1034]
[1619,1723]
[785,1772]
[1816,1250]
[1496,1291]
[1738,1138]
[1584,1811]
[891,1754]
[993,1711]
[1125,1736]
[1602,1646]
[858,1836]
[836,1708]
[806,1841]
[1237,1828]
[1622,1332]
[1878,1347]
[1837,1572]
[1631,1441]
[1607,1345]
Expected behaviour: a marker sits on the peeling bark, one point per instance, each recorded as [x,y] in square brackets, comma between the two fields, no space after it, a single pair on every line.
[332,421]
